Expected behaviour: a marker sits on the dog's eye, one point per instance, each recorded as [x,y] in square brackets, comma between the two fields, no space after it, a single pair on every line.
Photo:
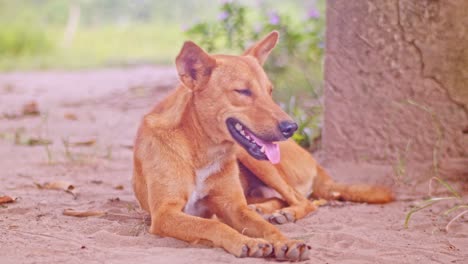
[245,92]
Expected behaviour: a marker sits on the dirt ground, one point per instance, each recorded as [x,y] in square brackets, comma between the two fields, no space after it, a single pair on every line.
[91,117]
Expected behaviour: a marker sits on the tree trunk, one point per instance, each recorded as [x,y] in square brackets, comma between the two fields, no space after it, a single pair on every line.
[73,22]
[396,82]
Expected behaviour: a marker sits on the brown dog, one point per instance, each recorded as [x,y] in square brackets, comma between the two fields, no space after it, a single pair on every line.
[185,165]
[188,149]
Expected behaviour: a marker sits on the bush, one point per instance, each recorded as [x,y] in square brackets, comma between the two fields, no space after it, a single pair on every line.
[19,40]
[295,66]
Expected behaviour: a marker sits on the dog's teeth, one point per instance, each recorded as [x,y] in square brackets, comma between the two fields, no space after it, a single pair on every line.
[238,126]
[262,149]
[243,133]
[248,137]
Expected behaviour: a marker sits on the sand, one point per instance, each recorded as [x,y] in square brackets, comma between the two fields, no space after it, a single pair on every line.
[91,118]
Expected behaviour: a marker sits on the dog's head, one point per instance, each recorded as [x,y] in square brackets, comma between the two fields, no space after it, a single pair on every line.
[232,97]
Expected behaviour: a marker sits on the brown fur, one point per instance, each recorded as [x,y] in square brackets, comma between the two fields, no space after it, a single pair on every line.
[186,161]
[296,178]
[185,153]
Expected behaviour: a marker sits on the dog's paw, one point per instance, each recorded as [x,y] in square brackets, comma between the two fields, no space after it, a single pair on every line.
[281,217]
[292,250]
[256,248]
[256,208]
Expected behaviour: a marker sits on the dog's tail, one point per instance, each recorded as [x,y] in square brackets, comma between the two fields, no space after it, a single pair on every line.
[324,187]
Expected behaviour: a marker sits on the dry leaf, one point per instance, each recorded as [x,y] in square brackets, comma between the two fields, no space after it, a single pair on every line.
[10,116]
[70,116]
[127,146]
[71,212]
[84,143]
[37,142]
[6,199]
[59,185]
[31,109]
[119,187]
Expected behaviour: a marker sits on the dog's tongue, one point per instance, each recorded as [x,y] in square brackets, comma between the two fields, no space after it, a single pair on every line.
[272,150]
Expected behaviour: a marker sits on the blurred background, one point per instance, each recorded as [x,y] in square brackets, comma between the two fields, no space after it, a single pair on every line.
[83,34]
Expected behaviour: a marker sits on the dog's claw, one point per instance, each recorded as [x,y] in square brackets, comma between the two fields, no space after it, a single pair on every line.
[281,252]
[305,252]
[268,250]
[245,251]
[292,251]
[288,216]
[277,219]
[257,253]
[256,250]
[255,208]
[281,217]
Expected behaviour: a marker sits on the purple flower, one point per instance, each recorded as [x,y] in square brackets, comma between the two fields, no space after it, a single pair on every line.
[273,18]
[258,28]
[223,15]
[313,13]
[321,45]
[184,27]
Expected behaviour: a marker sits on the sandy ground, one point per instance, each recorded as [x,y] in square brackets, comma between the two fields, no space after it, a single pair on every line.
[101,110]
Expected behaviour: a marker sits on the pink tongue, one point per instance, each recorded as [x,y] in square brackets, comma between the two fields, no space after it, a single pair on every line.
[272,150]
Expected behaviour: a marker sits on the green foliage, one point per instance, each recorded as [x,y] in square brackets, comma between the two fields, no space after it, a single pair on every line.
[308,122]
[295,66]
[109,32]
[21,40]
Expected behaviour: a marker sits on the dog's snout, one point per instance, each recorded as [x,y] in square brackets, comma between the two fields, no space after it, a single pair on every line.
[287,128]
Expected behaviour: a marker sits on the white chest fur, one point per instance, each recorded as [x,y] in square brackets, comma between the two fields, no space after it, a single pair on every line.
[200,191]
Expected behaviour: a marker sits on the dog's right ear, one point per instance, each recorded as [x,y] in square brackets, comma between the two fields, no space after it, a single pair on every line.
[194,65]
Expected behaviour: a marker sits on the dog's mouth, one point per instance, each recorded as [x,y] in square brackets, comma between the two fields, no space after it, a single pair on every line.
[258,148]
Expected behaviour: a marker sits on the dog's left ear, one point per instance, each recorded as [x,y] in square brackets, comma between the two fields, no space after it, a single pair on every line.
[262,48]
[194,65]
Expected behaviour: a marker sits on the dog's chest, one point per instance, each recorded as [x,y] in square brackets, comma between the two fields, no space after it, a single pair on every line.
[193,206]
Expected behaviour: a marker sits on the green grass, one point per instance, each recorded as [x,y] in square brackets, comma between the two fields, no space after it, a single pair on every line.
[433,200]
[104,46]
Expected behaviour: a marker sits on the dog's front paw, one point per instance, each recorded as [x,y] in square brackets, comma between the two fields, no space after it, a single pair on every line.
[291,213]
[281,217]
[277,217]
[292,250]
[255,248]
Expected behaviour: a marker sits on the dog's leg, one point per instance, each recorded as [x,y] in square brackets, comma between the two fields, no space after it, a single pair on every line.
[167,219]
[231,207]
[299,206]
[271,210]
[265,206]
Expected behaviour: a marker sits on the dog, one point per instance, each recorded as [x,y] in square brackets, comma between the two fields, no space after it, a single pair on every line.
[281,192]
[206,157]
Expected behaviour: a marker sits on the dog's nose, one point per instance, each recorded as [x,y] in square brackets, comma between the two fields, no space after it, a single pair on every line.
[287,128]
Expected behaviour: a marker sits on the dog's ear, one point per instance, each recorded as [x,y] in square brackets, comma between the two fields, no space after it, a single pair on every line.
[194,65]
[262,48]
